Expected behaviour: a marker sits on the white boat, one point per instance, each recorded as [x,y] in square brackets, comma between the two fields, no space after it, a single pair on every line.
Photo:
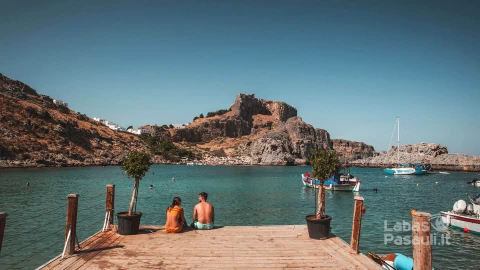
[404,169]
[465,217]
[443,172]
[333,183]
[190,163]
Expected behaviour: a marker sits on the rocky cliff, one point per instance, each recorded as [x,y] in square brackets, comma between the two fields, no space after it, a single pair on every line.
[350,151]
[36,132]
[435,154]
[256,132]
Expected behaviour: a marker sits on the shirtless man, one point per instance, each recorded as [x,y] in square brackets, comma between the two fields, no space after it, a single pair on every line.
[203,213]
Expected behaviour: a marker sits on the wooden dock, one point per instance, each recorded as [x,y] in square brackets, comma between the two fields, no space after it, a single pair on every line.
[224,247]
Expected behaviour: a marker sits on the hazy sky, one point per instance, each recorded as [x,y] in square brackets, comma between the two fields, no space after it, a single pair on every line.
[350,67]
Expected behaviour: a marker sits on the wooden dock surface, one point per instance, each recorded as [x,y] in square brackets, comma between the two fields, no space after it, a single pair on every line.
[224,247]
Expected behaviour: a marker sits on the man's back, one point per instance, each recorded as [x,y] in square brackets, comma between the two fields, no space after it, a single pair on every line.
[204,212]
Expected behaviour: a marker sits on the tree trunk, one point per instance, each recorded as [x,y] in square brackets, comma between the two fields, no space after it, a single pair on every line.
[134,196]
[321,201]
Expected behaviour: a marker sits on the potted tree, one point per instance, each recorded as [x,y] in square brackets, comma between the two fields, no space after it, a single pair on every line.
[136,164]
[325,163]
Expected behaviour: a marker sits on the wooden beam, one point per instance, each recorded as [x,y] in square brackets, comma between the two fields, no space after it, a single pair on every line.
[356,224]
[72,211]
[422,247]
[3,220]
[110,201]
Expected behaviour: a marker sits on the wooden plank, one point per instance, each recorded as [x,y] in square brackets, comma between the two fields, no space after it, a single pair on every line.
[252,247]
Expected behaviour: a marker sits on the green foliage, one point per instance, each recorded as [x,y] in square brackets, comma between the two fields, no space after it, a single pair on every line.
[195,118]
[164,126]
[201,115]
[325,163]
[170,126]
[166,148]
[129,127]
[219,112]
[136,164]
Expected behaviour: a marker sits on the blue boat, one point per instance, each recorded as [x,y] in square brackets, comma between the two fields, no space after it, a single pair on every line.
[407,169]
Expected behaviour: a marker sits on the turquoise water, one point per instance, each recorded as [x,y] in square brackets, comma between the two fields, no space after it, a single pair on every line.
[242,195]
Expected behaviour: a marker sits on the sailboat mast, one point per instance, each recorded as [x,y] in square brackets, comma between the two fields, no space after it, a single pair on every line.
[398,144]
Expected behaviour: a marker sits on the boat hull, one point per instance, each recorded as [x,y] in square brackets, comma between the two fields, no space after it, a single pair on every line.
[462,222]
[330,185]
[404,171]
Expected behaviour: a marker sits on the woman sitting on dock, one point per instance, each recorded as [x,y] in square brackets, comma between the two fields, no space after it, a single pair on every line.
[175,217]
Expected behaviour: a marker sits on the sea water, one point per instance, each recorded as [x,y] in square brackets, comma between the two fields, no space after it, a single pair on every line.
[242,195]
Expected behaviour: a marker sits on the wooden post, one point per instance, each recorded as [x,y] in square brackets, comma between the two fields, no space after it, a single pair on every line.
[356,224]
[110,201]
[72,211]
[422,247]
[3,220]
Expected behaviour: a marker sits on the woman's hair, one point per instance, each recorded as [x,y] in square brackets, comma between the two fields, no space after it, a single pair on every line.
[176,201]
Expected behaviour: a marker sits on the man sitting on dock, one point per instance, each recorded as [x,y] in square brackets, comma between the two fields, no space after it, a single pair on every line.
[203,213]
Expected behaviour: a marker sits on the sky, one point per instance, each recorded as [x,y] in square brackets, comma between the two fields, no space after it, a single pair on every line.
[349,67]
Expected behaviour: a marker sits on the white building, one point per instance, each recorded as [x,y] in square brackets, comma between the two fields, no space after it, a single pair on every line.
[180,126]
[138,131]
[60,103]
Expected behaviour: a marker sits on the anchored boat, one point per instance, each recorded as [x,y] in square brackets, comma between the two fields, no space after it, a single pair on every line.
[339,182]
[405,169]
[465,217]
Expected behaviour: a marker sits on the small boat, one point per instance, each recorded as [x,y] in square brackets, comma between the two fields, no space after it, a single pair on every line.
[393,261]
[465,217]
[406,169]
[190,163]
[443,172]
[475,182]
[335,182]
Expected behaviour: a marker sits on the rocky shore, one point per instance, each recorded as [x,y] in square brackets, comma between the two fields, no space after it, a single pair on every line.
[435,154]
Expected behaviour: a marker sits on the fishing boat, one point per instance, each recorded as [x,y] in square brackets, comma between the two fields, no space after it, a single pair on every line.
[465,217]
[405,169]
[335,182]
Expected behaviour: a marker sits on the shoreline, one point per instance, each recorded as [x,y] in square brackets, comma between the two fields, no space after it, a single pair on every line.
[28,165]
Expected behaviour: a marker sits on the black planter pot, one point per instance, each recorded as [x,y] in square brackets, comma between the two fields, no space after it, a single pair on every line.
[128,225]
[318,228]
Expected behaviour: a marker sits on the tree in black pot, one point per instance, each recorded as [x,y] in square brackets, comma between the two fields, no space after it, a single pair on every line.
[135,165]
[325,163]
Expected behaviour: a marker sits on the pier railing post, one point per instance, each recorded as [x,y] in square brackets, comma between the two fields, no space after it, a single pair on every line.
[71,226]
[3,220]
[110,201]
[356,224]
[422,247]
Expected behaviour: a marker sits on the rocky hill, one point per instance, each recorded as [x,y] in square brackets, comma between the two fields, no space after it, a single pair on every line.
[435,154]
[350,151]
[36,132]
[257,132]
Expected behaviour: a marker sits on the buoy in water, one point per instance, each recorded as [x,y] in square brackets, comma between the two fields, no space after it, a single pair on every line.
[386,176]
[436,182]
[466,230]
[417,185]
[364,208]
[413,211]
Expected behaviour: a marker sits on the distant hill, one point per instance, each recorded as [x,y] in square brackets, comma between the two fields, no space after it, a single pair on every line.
[35,131]
[431,153]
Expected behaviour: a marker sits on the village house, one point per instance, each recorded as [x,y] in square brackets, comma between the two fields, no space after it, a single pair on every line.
[60,103]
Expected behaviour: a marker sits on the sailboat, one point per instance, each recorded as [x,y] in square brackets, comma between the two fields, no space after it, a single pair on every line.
[404,169]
